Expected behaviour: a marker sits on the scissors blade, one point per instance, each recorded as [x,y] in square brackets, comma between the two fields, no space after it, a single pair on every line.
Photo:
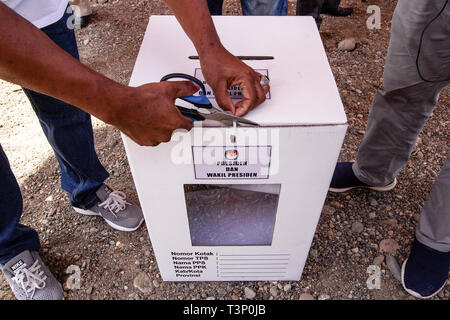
[226,118]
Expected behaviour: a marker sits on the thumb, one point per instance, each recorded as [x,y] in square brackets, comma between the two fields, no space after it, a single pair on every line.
[180,88]
[223,98]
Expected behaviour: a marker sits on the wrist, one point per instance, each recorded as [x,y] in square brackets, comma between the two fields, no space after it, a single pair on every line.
[212,48]
[116,97]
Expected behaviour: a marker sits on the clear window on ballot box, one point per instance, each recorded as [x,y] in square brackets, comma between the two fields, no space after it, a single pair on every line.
[231,214]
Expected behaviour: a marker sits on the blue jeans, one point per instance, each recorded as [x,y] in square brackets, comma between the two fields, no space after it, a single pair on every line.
[69,132]
[254,7]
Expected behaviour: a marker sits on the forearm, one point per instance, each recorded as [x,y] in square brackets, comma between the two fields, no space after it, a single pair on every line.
[194,17]
[30,59]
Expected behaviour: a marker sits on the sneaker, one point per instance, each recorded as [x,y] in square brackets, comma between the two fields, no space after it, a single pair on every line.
[115,210]
[425,272]
[81,22]
[30,279]
[344,179]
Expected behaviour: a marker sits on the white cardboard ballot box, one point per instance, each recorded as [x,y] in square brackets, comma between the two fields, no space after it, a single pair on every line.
[241,202]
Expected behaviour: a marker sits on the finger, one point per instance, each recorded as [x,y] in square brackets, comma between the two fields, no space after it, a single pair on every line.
[223,98]
[249,99]
[261,94]
[185,123]
[180,88]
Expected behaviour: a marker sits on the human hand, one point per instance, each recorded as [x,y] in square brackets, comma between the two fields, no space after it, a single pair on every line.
[222,70]
[148,114]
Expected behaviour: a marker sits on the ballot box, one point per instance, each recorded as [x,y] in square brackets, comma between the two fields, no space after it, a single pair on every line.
[237,202]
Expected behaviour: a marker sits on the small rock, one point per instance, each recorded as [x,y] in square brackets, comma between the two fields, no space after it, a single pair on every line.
[211,298]
[102,1]
[143,283]
[335,204]
[314,253]
[156,283]
[249,293]
[372,215]
[357,227]
[86,41]
[274,291]
[306,296]
[348,44]
[394,267]
[391,222]
[328,210]
[378,260]
[89,290]
[221,291]
[120,245]
[49,198]
[287,287]
[324,297]
[373,202]
[389,246]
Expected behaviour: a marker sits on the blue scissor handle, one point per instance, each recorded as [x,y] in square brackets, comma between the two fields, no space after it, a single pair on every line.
[200,101]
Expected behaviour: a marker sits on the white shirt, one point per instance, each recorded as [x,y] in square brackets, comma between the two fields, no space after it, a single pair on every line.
[41,13]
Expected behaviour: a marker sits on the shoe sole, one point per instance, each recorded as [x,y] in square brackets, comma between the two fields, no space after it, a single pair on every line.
[380,189]
[411,292]
[112,225]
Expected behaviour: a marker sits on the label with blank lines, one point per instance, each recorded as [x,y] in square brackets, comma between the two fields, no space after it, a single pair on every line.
[252,265]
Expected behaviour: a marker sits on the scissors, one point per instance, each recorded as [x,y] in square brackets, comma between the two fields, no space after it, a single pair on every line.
[202,102]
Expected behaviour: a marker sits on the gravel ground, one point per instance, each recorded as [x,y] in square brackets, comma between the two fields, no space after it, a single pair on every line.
[356,230]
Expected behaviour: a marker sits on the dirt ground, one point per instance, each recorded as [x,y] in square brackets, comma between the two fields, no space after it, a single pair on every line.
[351,229]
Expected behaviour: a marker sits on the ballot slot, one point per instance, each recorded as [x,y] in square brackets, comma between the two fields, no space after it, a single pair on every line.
[242,58]
[231,214]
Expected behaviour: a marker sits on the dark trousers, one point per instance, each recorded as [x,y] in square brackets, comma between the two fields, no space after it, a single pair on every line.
[253,7]
[69,132]
[315,7]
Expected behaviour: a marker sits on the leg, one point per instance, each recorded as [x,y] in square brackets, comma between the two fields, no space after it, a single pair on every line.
[395,121]
[433,229]
[69,132]
[14,237]
[398,115]
[215,7]
[310,8]
[19,260]
[425,272]
[264,7]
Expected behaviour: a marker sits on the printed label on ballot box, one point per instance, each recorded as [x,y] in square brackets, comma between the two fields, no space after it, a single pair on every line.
[250,162]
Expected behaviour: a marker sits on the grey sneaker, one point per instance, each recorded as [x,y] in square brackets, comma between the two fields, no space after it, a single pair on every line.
[30,279]
[115,210]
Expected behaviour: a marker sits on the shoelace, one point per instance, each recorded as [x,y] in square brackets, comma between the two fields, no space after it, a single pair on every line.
[31,279]
[115,202]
